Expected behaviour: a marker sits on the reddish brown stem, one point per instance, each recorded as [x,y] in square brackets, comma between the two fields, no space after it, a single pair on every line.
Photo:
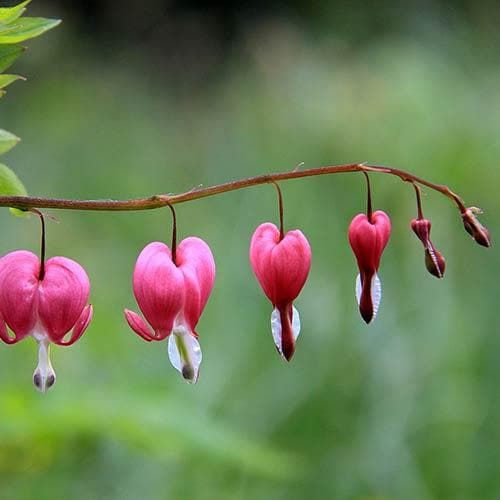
[174,234]
[162,200]
[418,194]
[369,210]
[280,208]
[41,273]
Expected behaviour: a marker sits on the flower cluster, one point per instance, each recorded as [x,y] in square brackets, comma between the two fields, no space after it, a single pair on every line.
[48,300]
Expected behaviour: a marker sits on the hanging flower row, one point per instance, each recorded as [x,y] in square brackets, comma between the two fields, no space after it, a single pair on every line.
[48,300]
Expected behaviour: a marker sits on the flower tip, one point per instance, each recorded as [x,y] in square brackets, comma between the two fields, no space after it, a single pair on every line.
[366,314]
[188,373]
[285,328]
[44,376]
[185,354]
[288,350]
[43,382]
[368,295]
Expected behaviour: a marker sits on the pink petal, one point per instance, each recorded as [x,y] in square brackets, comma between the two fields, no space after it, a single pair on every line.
[81,325]
[4,334]
[196,262]
[369,238]
[18,288]
[192,309]
[139,326]
[158,287]
[281,267]
[193,252]
[63,293]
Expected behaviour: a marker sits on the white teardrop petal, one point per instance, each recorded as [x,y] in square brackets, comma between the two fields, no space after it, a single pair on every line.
[358,288]
[295,323]
[185,355]
[376,294]
[44,376]
[276,328]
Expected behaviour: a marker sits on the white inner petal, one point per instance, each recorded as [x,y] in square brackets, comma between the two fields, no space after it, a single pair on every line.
[185,353]
[295,323]
[376,293]
[276,326]
[44,376]
[358,288]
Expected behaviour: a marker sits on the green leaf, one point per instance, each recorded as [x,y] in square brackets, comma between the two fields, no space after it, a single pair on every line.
[4,28]
[8,54]
[7,141]
[8,79]
[28,27]
[9,14]
[10,185]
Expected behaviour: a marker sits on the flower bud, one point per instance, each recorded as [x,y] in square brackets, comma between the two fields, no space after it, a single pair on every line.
[478,232]
[434,260]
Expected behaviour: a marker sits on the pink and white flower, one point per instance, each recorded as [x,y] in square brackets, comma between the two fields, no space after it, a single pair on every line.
[172,296]
[368,237]
[43,304]
[281,266]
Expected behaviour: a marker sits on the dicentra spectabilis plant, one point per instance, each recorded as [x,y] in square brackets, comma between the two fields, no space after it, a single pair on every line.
[47,300]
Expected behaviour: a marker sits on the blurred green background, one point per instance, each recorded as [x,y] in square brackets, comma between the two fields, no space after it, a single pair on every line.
[407,408]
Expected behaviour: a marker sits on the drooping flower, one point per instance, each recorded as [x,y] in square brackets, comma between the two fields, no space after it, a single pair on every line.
[434,260]
[368,236]
[44,302]
[281,266]
[172,296]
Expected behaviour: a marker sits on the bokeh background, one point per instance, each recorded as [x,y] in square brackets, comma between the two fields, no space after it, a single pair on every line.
[127,99]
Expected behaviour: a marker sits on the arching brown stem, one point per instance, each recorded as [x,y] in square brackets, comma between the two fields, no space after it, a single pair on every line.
[162,200]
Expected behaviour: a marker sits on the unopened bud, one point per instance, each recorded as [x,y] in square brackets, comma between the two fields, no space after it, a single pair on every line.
[478,232]
[434,260]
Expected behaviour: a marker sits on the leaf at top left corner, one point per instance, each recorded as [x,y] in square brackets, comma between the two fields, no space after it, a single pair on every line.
[11,185]
[10,14]
[27,27]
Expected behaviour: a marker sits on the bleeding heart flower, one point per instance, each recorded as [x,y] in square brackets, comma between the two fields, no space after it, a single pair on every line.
[281,266]
[45,302]
[368,237]
[434,261]
[172,296]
